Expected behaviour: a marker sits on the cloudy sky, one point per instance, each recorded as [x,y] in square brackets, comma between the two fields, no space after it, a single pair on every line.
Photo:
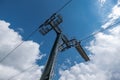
[80,19]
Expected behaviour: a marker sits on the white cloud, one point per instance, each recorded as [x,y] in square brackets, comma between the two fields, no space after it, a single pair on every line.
[102,2]
[105,58]
[22,58]
[20,30]
[115,14]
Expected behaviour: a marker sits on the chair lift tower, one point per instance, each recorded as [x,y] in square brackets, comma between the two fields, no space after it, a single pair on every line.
[61,43]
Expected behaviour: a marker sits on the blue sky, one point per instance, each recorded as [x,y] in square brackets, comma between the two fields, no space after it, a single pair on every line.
[80,19]
[28,15]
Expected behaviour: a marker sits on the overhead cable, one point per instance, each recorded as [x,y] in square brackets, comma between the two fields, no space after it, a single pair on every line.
[11,78]
[100,30]
[64,6]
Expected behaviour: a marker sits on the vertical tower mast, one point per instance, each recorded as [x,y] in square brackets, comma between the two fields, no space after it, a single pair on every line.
[54,22]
